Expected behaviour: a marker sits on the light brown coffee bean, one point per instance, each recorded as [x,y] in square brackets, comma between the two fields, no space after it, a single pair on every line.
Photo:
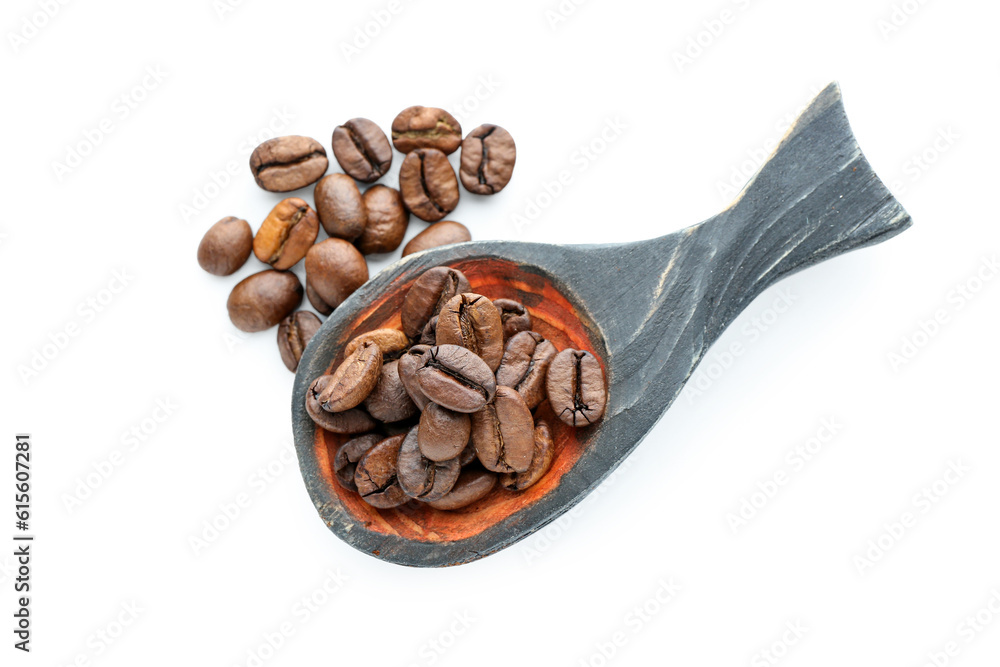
[392,342]
[503,433]
[439,234]
[349,421]
[262,300]
[353,379]
[575,387]
[524,366]
[387,221]
[340,206]
[420,477]
[428,293]
[428,185]
[426,127]
[541,460]
[288,163]
[488,156]
[334,269]
[376,474]
[472,321]
[226,246]
[472,485]
[388,401]
[345,461]
[294,334]
[443,433]
[362,149]
[287,232]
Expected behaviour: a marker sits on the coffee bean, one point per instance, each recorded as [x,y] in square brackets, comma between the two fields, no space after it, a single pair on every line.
[488,156]
[472,321]
[514,316]
[575,387]
[260,301]
[226,246]
[341,208]
[455,378]
[349,421]
[428,184]
[414,359]
[426,127]
[524,365]
[441,233]
[321,306]
[287,232]
[392,342]
[334,269]
[376,474]
[468,454]
[443,433]
[389,402]
[353,380]
[473,484]
[294,334]
[541,460]
[429,335]
[387,220]
[288,163]
[429,292]
[503,433]
[419,476]
[362,149]
[345,461]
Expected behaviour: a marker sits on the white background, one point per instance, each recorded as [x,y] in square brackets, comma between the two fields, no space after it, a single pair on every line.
[921,95]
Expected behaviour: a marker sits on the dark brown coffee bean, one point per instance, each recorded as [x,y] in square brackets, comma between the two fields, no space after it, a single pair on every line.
[288,163]
[287,232]
[322,307]
[376,474]
[441,233]
[429,335]
[341,208]
[575,387]
[426,127]
[260,301]
[524,365]
[472,321]
[428,184]
[334,269]
[473,484]
[429,292]
[457,379]
[514,316]
[362,149]
[387,221]
[443,433]
[468,454]
[389,401]
[226,246]
[408,365]
[503,433]
[294,334]
[541,460]
[488,156]
[353,380]
[392,342]
[349,421]
[345,461]
[419,476]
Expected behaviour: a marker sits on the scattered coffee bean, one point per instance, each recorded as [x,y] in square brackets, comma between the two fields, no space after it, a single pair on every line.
[226,246]
[353,379]
[288,163]
[362,150]
[426,127]
[419,476]
[262,300]
[524,366]
[488,156]
[409,363]
[334,269]
[428,294]
[345,461]
[376,474]
[388,402]
[428,184]
[541,460]
[503,433]
[286,234]
[349,421]
[443,433]
[387,221]
[429,335]
[472,485]
[321,306]
[575,387]
[514,316]
[341,208]
[294,334]
[392,342]
[472,321]
[441,233]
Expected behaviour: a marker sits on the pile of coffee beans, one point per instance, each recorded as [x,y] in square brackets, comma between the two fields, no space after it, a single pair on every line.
[356,223]
[443,409]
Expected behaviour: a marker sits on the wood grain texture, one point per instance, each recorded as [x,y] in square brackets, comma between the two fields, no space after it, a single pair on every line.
[649,310]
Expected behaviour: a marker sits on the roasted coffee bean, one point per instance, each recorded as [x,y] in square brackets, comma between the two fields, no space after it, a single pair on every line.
[341,208]
[345,461]
[288,163]
[389,402]
[353,380]
[387,220]
[541,460]
[322,307]
[262,300]
[503,433]
[523,367]
[472,321]
[429,292]
[408,365]
[514,316]
[294,334]
[441,233]
[428,184]
[443,433]
[473,484]
[226,246]
[376,474]
[429,335]
[287,232]
[488,155]
[419,476]
[334,269]
[575,387]
[362,149]
[468,454]
[455,378]
[426,127]
[392,342]
[349,421]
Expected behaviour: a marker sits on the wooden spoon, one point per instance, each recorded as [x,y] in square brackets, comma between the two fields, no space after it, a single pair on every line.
[649,310]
